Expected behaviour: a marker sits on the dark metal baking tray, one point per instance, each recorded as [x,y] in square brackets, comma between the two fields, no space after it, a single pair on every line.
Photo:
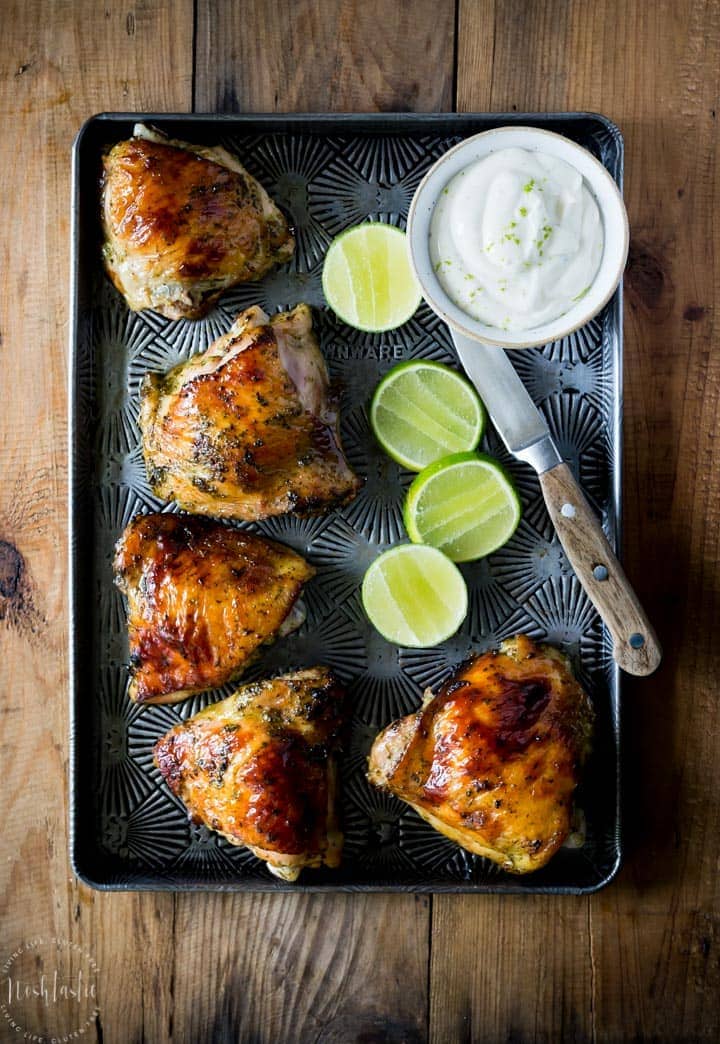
[327,172]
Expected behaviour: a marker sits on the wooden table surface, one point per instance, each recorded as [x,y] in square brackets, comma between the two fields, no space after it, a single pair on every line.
[641,959]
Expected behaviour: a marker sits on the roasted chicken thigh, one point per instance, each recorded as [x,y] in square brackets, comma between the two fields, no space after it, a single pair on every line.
[202,597]
[248,428]
[493,759]
[259,767]
[184,222]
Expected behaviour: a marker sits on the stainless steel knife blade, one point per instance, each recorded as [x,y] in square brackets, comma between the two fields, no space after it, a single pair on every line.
[525,433]
[517,419]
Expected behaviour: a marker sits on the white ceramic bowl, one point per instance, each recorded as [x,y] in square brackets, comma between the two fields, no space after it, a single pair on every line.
[599,182]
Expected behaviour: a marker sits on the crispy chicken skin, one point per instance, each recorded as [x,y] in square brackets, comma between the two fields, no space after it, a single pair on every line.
[259,767]
[182,223]
[492,760]
[248,429]
[202,597]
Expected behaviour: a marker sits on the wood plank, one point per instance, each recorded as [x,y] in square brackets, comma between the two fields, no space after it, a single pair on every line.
[343,967]
[329,56]
[640,960]
[510,968]
[59,64]
[302,968]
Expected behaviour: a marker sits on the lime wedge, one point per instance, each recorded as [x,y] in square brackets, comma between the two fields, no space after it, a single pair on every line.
[367,278]
[422,411]
[465,504]
[414,596]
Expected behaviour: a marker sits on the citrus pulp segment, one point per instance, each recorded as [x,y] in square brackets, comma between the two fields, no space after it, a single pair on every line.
[414,596]
[368,280]
[465,505]
[422,411]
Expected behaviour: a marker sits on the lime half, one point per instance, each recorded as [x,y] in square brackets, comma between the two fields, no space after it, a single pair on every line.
[414,596]
[465,504]
[422,411]
[367,278]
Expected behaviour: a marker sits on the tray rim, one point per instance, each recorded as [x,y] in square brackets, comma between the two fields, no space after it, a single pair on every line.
[326,122]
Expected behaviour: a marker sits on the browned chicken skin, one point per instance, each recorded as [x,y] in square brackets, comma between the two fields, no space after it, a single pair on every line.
[247,429]
[202,597]
[492,760]
[259,767]
[184,222]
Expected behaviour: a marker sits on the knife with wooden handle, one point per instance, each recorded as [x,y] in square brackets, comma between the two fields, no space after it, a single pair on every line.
[524,431]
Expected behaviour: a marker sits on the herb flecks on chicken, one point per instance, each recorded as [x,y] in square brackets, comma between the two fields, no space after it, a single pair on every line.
[248,429]
[493,759]
[182,223]
[260,768]
[202,598]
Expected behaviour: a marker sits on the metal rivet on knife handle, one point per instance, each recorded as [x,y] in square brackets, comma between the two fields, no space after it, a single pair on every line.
[524,431]
[635,645]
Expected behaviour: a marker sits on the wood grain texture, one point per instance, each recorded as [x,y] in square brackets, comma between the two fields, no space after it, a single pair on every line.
[325,55]
[61,63]
[319,968]
[511,968]
[315,57]
[639,961]
[586,546]
[195,967]
[646,950]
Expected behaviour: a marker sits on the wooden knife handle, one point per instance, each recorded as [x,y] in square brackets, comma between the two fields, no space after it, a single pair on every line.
[635,645]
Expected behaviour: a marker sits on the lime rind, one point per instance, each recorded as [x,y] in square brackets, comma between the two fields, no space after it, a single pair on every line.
[379,291]
[414,596]
[473,521]
[422,411]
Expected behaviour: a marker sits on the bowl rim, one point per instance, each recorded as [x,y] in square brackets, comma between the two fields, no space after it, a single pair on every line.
[611,206]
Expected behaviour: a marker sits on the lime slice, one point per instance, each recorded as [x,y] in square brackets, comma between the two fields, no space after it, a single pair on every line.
[422,411]
[414,596]
[466,505]
[367,278]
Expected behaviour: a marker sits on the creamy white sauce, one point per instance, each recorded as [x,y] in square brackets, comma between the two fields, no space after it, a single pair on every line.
[516,239]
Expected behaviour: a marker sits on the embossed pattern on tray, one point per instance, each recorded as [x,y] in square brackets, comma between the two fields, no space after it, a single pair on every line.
[129,831]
